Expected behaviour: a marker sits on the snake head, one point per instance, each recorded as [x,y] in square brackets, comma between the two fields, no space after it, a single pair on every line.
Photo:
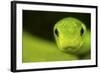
[69,33]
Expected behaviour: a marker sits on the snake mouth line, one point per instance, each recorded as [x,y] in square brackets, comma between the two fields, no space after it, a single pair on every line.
[71,50]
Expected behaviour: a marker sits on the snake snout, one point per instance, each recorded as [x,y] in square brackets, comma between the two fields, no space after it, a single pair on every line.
[69,49]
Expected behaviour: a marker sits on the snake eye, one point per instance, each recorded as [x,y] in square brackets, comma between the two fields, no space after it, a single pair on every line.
[56,32]
[82,31]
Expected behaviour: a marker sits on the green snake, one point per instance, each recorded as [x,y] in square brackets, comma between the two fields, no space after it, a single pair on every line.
[72,36]
[72,39]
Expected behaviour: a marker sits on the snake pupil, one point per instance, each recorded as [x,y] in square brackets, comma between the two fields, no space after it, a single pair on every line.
[81,32]
[56,32]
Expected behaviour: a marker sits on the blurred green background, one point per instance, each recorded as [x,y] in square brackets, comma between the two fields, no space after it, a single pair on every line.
[38,44]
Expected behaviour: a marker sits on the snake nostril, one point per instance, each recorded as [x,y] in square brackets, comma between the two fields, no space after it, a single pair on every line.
[56,32]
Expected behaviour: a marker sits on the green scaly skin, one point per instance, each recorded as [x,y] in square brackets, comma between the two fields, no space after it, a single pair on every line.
[72,36]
